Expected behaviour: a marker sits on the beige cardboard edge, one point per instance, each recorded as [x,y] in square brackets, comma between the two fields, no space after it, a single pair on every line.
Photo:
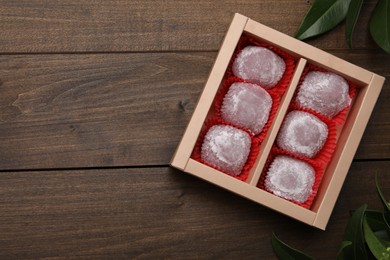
[358,122]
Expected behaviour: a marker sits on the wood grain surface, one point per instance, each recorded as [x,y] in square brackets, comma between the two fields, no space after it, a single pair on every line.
[94,98]
[149,25]
[151,213]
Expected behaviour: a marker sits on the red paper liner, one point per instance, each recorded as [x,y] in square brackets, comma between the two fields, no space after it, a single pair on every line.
[218,101]
[318,168]
[254,150]
[326,152]
[284,82]
[341,116]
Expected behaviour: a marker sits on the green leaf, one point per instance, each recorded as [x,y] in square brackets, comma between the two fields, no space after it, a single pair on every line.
[322,16]
[352,16]
[378,225]
[344,245]
[386,204]
[376,220]
[285,252]
[379,250]
[382,236]
[387,223]
[354,233]
[380,25]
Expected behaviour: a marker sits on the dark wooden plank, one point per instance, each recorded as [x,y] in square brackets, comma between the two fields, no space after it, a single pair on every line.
[158,213]
[103,26]
[94,110]
[121,109]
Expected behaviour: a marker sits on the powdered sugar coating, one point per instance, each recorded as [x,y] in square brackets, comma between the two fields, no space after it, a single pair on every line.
[290,178]
[302,133]
[247,105]
[226,148]
[259,65]
[324,92]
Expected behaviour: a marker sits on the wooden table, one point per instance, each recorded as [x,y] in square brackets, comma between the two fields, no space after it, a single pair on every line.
[94,98]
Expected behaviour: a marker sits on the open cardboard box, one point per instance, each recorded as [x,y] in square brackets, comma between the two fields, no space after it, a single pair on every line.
[368,87]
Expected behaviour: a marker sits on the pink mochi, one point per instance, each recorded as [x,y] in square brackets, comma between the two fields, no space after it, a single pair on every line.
[259,65]
[247,105]
[302,133]
[290,178]
[325,92]
[227,148]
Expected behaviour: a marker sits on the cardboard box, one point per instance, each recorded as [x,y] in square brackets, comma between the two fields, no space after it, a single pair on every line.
[349,134]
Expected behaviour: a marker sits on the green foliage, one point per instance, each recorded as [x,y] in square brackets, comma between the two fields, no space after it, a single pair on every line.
[380,25]
[386,204]
[324,15]
[354,234]
[375,222]
[352,16]
[377,248]
[345,245]
[365,227]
